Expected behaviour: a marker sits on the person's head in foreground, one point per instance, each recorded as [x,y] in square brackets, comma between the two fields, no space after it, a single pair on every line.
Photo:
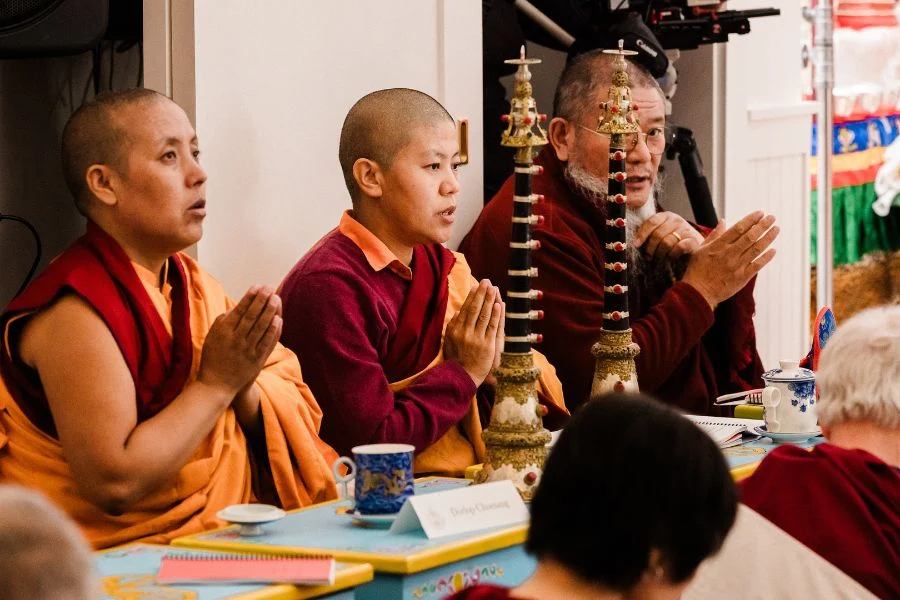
[131,161]
[399,153]
[633,498]
[42,552]
[858,376]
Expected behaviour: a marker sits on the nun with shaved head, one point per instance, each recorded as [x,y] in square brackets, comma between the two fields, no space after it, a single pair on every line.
[398,340]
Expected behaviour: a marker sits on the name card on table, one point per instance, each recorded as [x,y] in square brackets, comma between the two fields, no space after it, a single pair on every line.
[463,510]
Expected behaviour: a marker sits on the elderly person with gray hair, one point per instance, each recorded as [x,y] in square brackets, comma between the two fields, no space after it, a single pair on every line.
[694,324]
[42,552]
[842,499]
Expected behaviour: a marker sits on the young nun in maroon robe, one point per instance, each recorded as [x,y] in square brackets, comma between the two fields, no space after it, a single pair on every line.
[397,339]
[134,393]
[842,499]
[694,328]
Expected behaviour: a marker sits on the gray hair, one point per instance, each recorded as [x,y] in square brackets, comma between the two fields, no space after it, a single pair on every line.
[42,551]
[586,75]
[859,370]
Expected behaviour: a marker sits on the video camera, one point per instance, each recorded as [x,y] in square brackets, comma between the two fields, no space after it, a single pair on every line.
[682,24]
[652,26]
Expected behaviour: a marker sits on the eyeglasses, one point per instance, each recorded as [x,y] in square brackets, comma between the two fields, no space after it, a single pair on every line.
[655,139]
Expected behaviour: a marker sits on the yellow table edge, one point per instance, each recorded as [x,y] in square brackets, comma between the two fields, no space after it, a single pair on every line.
[350,576]
[742,472]
[385,563]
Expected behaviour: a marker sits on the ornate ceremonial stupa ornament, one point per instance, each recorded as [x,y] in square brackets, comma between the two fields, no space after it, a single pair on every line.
[615,350]
[516,439]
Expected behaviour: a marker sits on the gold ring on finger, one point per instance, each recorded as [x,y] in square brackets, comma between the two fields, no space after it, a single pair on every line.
[677,237]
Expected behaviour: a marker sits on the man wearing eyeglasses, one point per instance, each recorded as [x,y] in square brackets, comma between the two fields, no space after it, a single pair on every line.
[691,289]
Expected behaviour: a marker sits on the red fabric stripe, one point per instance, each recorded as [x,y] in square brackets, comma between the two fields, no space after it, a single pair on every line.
[96,268]
[848,178]
[421,323]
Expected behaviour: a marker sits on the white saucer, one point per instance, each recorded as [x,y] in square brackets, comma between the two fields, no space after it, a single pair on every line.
[781,438]
[372,520]
[250,517]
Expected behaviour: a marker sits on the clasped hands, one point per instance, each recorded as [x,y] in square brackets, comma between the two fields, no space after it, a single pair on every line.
[474,336]
[666,236]
[238,344]
[721,264]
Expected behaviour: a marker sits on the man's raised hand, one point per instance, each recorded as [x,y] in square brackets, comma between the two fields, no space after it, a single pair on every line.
[240,341]
[728,259]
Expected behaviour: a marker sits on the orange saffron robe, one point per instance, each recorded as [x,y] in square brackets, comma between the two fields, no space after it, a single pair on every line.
[221,471]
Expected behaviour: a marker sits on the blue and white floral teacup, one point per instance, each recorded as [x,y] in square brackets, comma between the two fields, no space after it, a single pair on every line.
[790,399]
[383,477]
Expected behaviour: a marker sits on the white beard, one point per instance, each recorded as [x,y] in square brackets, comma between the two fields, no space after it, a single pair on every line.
[587,185]
[595,190]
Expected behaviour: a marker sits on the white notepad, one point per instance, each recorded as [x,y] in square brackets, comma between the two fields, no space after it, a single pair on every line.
[727,432]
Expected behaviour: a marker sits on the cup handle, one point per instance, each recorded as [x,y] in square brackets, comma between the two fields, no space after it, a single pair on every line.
[342,481]
[771,398]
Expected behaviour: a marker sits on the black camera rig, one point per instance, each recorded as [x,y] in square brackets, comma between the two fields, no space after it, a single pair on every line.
[682,24]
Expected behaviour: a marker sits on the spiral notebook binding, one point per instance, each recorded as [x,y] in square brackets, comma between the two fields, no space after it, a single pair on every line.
[238,556]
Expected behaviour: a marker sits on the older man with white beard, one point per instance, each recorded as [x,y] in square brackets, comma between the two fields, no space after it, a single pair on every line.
[691,289]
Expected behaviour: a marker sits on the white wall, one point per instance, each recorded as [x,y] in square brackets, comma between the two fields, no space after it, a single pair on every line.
[764,147]
[269,89]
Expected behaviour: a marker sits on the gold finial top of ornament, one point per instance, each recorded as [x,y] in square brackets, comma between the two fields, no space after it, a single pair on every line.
[524,129]
[617,114]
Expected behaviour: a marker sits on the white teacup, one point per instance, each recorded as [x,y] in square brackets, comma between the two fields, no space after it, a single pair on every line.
[790,399]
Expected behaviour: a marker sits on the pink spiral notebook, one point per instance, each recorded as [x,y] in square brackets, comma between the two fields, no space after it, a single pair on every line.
[245,568]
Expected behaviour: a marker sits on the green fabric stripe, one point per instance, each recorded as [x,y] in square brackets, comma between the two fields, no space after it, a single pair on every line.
[857,229]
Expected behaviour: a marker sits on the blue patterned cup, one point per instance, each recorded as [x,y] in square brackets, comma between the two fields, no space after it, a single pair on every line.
[383,477]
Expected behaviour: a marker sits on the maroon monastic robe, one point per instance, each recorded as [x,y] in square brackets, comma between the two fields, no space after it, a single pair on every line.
[96,269]
[843,504]
[689,354]
[484,591]
[420,327]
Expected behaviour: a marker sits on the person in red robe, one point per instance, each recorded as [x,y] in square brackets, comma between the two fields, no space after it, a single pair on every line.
[397,338]
[599,531]
[842,498]
[691,290]
[134,393]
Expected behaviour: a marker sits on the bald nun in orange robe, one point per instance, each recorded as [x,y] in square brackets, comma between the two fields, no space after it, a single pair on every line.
[135,394]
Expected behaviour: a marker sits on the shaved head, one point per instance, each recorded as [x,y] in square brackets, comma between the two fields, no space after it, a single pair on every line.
[95,135]
[381,124]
